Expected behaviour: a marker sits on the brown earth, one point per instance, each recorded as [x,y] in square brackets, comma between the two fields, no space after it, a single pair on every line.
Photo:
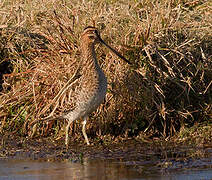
[47,149]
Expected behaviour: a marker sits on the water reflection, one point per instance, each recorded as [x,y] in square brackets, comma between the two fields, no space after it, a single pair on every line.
[89,169]
[25,169]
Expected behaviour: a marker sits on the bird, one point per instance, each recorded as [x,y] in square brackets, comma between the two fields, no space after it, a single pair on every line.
[93,83]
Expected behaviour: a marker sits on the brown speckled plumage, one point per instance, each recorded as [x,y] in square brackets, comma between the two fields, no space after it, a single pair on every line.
[93,83]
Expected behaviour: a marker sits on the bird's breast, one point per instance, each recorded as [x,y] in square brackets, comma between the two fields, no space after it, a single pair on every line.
[92,94]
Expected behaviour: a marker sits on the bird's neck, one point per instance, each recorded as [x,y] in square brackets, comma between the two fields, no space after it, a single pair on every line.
[89,60]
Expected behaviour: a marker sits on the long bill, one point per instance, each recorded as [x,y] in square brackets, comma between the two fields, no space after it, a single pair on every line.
[114,51]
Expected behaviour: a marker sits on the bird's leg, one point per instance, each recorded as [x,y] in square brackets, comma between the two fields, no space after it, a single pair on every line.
[83,130]
[34,129]
[67,131]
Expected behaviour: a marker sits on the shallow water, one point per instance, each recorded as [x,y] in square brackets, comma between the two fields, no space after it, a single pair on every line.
[104,169]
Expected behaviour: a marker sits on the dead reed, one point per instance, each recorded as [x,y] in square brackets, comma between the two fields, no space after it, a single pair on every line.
[167,88]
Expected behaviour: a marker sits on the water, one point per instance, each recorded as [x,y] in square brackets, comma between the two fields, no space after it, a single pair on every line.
[14,169]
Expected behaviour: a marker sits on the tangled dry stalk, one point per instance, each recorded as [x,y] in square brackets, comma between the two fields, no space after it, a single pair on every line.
[169,43]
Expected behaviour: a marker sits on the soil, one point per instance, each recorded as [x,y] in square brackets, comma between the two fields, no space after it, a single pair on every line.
[49,149]
[46,148]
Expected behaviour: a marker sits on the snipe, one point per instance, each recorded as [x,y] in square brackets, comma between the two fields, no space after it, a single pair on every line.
[93,83]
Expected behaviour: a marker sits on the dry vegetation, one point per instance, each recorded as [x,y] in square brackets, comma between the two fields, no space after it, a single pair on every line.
[169,43]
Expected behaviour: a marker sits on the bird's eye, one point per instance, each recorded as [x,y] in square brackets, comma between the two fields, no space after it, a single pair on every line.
[96,32]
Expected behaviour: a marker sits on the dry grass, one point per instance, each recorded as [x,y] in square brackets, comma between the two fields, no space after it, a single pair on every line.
[169,43]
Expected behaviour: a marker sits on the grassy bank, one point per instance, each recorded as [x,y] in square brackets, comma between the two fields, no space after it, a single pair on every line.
[167,89]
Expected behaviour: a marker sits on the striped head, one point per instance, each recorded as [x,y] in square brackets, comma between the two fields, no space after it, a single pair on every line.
[90,35]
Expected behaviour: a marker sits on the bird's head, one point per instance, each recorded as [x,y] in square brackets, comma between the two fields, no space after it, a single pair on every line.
[91,35]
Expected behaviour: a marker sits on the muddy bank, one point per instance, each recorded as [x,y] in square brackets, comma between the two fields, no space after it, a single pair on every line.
[47,148]
[161,154]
